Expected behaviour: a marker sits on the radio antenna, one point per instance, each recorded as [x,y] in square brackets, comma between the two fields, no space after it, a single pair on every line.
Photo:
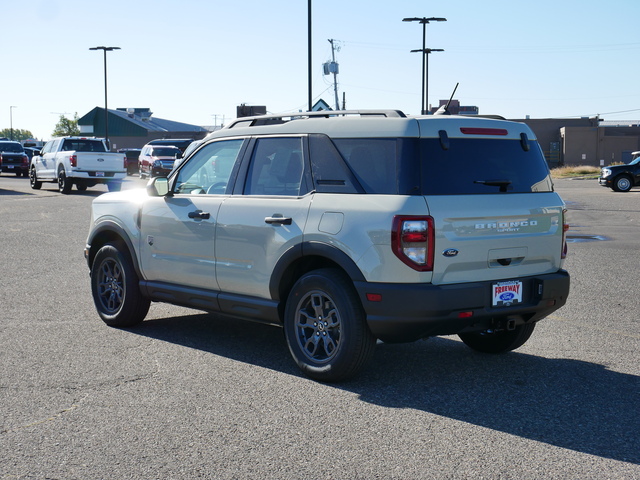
[444,110]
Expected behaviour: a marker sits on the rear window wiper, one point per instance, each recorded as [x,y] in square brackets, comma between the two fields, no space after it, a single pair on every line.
[503,184]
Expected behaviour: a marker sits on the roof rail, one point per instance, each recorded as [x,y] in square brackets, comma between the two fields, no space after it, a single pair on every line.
[282,118]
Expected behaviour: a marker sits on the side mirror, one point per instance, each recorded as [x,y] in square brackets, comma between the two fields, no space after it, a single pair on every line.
[158,187]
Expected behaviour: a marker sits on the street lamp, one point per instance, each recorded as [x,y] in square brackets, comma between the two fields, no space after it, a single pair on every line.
[425,73]
[11,119]
[106,112]
[424,21]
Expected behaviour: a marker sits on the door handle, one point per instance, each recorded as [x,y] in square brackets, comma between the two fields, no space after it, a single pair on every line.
[278,219]
[199,214]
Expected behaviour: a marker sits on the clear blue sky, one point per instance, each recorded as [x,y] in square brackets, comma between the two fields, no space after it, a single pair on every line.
[195,60]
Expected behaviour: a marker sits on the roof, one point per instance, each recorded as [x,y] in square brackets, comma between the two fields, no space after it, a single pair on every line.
[141,118]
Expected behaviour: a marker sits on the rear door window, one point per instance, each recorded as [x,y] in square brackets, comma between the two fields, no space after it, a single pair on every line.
[372,161]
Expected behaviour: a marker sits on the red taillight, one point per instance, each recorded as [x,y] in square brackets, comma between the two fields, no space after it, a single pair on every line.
[73,160]
[412,240]
[565,229]
[25,161]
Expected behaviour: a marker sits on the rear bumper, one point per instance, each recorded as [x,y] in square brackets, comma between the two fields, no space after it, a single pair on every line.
[408,312]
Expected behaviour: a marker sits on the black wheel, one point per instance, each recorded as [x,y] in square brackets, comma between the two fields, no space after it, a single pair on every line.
[115,289]
[623,183]
[81,186]
[33,179]
[114,186]
[499,342]
[64,184]
[325,326]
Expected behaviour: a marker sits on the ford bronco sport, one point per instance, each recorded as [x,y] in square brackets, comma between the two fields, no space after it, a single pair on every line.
[344,228]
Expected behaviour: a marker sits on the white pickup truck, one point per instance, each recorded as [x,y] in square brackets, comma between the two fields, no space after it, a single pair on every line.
[80,161]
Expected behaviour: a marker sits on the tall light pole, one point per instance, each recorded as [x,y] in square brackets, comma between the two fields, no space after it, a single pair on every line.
[106,112]
[425,88]
[309,67]
[11,119]
[425,78]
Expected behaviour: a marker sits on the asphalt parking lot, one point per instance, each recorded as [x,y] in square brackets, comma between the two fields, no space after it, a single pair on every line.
[190,395]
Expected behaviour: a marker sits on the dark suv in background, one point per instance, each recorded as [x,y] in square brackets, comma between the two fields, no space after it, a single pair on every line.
[13,158]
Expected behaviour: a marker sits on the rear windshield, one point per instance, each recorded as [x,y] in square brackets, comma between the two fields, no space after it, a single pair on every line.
[82,145]
[165,151]
[410,166]
[481,166]
[11,147]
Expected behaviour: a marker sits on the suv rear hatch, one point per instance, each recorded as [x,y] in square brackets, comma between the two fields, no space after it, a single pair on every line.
[487,186]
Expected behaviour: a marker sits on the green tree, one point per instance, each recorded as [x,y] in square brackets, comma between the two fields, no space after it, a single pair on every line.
[67,127]
[17,134]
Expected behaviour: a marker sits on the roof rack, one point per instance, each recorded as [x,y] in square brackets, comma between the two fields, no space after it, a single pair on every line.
[282,118]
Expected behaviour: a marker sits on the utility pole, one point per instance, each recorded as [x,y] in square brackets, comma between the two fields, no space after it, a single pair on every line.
[334,70]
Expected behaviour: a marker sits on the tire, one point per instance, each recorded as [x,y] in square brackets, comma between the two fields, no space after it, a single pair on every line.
[33,179]
[81,186]
[623,183]
[498,342]
[325,326]
[115,288]
[64,184]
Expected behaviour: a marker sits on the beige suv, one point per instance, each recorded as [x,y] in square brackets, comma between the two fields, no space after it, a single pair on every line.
[344,228]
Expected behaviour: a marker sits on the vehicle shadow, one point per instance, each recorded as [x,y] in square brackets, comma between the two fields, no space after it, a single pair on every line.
[567,403]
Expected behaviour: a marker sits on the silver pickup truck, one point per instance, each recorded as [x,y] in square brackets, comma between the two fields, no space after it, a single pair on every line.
[80,161]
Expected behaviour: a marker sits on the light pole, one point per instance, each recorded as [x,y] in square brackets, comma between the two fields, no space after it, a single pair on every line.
[425,88]
[106,112]
[309,67]
[425,73]
[11,120]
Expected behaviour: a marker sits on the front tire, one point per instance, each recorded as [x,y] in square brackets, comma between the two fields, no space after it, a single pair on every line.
[325,326]
[498,342]
[33,179]
[115,288]
[623,183]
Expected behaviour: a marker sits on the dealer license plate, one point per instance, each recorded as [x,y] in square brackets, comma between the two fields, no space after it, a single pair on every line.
[506,293]
[99,174]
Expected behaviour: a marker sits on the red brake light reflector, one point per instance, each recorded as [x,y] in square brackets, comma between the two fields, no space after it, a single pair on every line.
[483,131]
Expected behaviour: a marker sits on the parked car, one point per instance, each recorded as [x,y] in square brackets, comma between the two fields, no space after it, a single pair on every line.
[344,229]
[621,178]
[132,156]
[157,160]
[13,158]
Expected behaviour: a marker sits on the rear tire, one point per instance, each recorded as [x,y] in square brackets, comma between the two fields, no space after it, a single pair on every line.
[498,342]
[115,288]
[325,326]
[64,184]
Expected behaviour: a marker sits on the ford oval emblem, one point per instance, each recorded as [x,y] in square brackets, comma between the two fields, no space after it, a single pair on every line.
[450,252]
[100,159]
